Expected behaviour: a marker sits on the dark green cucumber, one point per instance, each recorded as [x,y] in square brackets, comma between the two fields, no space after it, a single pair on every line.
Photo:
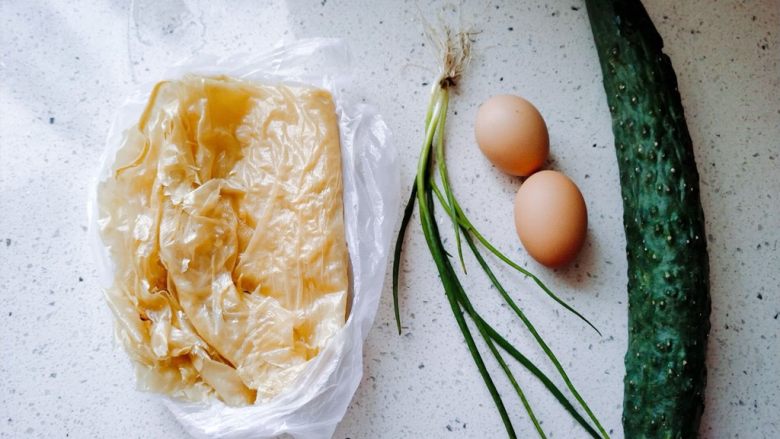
[668,273]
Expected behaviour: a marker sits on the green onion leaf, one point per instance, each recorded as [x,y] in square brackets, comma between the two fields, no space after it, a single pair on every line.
[399,243]
[535,334]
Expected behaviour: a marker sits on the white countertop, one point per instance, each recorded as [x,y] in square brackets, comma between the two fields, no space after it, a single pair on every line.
[66,67]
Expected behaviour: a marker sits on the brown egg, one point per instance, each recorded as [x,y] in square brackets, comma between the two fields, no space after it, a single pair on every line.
[512,134]
[551,218]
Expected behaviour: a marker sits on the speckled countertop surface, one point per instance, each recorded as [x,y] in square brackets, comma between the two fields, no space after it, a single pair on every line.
[66,67]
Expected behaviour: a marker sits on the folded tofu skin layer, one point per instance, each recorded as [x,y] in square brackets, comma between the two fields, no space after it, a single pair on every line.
[223,217]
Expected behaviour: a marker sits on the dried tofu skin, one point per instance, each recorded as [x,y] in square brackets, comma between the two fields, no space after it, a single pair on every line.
[223,216]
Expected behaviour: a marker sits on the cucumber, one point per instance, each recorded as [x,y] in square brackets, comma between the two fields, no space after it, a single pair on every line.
[668,272]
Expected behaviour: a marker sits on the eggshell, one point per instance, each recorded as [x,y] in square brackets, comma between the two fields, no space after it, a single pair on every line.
[512,134]
[551,218]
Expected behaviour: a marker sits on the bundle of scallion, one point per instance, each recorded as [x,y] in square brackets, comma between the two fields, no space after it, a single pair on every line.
[454,48]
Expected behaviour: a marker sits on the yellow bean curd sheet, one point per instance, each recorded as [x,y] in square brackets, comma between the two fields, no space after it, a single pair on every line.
[224,219]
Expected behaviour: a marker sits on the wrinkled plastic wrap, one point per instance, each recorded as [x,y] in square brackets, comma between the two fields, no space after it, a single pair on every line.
[301,388]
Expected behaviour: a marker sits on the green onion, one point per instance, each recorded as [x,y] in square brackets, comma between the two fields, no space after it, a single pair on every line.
[455,51]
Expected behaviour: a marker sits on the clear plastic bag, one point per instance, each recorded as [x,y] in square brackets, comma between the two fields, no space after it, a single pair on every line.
[316,401]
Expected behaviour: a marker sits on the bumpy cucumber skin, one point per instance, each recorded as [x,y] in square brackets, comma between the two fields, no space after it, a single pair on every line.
[668,271]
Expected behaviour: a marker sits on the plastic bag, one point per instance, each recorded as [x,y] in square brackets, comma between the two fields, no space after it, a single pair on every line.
[316,401]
